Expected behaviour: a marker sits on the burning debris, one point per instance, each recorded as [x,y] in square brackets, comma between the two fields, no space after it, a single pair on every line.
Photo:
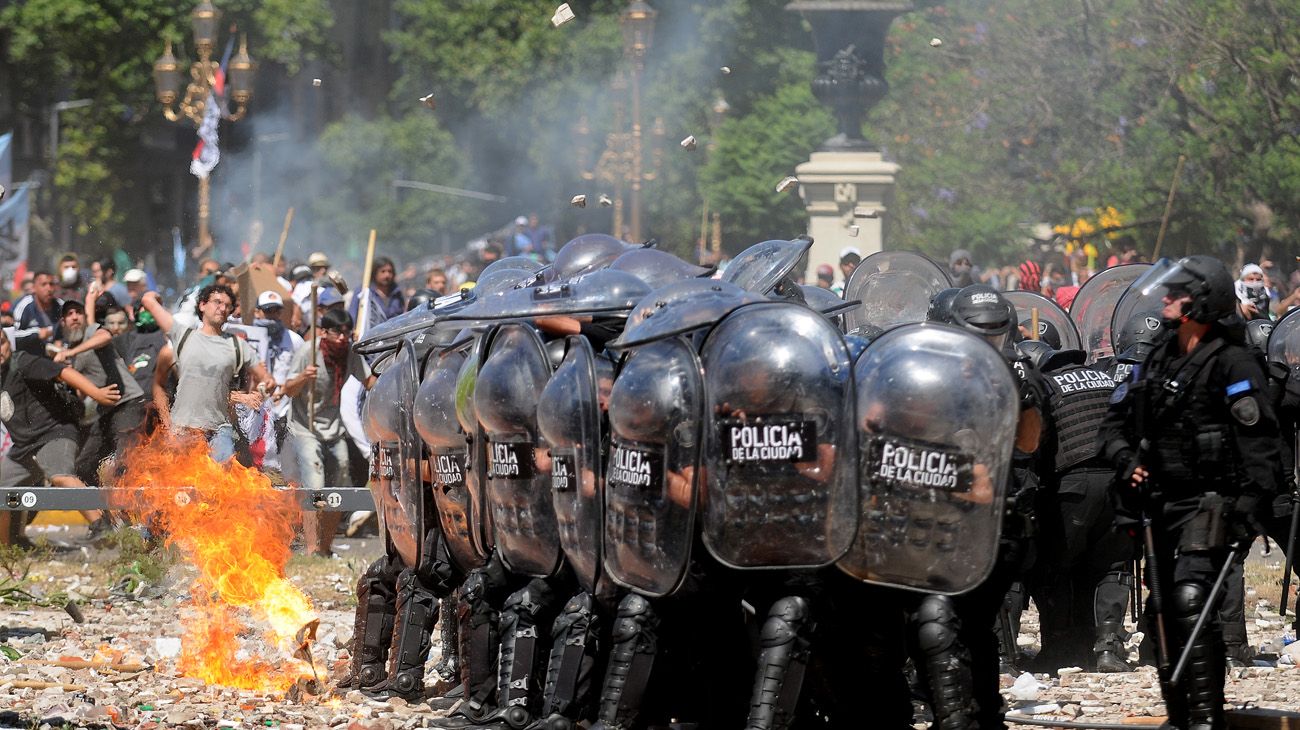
[235,530]
[935,42]
[605,201]
[689,144]
[578,201]
[787,183]
[563,14]
[428,101]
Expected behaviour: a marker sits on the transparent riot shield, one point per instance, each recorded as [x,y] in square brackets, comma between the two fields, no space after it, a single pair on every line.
[760,267]
[395,456]
[655,409]
[781,448]
[1094,306]
[449,456]
[510,380]
[1284,341]
[936,417]
[894,287]
[568,417]
[679,308]
[1135,299]
[480,517]
[658,268]
[1028,304]
[586,253]
[602,293]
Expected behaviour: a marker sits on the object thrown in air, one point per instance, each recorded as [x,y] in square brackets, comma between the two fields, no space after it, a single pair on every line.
[689,143]
[864,212]
[935,42]
[429,101]
[563,14]
[726,70]
[605,202]
[578,201]
[2,192]
[787,183]
[853,231]
[315,82]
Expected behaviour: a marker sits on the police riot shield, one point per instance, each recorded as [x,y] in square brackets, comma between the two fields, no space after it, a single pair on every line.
[600,293]
[936,417]
[449,456]
[510,380]
[480,517]
[655,409]
[1095,303]
[389,334]
[826,301]
[1049,314]
[1284,341]
[568,418]
[395,456]
[760,267]
[1135,299]
[658,268]
[895,287]
[781,449]
[586,253]
[679,308]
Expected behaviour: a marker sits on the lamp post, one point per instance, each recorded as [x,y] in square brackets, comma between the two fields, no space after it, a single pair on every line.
[203,73]
[622,161]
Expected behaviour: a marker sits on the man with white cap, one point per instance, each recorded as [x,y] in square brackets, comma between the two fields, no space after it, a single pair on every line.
[521,242]
[1253,293]
[137,283]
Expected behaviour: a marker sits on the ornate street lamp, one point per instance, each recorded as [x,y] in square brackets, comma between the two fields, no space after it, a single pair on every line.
[638,23]
[203,77]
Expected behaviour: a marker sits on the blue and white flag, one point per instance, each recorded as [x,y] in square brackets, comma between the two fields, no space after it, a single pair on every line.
[13,232]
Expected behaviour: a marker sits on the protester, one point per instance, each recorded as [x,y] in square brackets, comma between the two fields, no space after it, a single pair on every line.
[540,238]
[1253,297]
[316,452]
[41,414]
[961,268]
[208,362]
[104,271]
[436,281]
[37,314]
[71,284]
[111,428]
[385,299]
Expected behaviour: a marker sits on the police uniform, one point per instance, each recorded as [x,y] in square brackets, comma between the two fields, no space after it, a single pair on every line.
[1200,424]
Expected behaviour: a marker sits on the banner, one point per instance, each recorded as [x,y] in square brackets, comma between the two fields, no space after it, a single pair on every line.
[7,160]
[13,233]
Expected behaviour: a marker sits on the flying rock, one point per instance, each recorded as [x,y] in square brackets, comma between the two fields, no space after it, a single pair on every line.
[787,183]
[578,201]
[689,143]
[726,70]
[563,14]
[605,202]
[853,231]
[428,101]
[935,42]
[315,82]
[862,212]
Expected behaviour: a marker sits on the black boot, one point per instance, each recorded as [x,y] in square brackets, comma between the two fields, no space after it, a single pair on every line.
[1108,652]
[479,646]
[417,611]
[372,627]
[632,653]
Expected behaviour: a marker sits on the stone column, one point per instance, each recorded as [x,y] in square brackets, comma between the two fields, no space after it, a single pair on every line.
[835,184]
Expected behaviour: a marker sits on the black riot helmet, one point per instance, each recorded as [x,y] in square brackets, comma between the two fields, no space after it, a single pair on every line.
[1044,357]
[1139,336]
[1257,333]
[421,298]
[1205,278]
[981,310]
[1049,334]
[939,311]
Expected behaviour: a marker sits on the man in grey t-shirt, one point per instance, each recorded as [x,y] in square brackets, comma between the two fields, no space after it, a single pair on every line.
[208,362]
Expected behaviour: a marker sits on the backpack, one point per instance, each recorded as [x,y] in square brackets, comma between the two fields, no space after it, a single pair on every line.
[236,380]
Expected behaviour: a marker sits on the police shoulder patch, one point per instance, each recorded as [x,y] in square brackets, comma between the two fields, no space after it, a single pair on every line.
[1118,394]
[1241,386]
[1246,411]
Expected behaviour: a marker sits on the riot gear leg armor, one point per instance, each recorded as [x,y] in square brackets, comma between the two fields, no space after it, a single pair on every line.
[632,651]
[574,648]
[1201,688]
[372,629]
[448,667]
[1232,617]
[1109,603]
[785,639]
[523,612]
[417,611]
[479,641]
[946,664]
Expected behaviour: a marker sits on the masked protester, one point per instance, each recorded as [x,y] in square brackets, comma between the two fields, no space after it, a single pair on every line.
[316,450]
[960,268]
[1194,442]
[1253,293]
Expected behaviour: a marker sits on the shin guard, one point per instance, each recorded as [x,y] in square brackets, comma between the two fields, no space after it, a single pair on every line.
[947,664]
[634,643]
[417,611]
[785,639]
[372,628]
[573,658]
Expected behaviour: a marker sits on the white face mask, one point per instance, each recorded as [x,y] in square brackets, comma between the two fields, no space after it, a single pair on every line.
[69,276]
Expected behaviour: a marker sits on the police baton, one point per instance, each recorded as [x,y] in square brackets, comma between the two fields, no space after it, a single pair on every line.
[1157,597]
[1206,610]
[1290,553]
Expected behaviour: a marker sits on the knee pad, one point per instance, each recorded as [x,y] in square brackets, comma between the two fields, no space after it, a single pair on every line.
[633,613]
[936,609]
[937,625]
[1187,599]
[786,620]
[577,610]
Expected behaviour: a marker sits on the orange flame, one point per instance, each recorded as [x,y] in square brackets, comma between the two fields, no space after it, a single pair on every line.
[235,528]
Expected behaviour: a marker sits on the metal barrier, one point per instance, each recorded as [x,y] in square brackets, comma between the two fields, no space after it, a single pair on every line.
[331,499]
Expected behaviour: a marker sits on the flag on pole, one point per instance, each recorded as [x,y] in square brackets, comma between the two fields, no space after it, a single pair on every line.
[206,152]
[13,234]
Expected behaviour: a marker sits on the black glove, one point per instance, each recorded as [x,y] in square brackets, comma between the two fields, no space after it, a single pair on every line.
[1245,519]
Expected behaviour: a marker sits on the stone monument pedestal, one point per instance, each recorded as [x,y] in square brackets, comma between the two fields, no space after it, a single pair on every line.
[833,184]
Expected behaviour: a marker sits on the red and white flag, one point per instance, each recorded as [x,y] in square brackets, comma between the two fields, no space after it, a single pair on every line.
[206,153]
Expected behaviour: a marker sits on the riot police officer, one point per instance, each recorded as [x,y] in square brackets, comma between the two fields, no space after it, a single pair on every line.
[1194,440]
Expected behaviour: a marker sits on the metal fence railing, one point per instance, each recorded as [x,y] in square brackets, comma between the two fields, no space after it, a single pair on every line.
[331,499]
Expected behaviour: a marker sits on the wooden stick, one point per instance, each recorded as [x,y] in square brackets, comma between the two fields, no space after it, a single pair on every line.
[315,338]
[83,664]
[363,308]
[1033,318]
[284,236]
[1169,208]
[28,684]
